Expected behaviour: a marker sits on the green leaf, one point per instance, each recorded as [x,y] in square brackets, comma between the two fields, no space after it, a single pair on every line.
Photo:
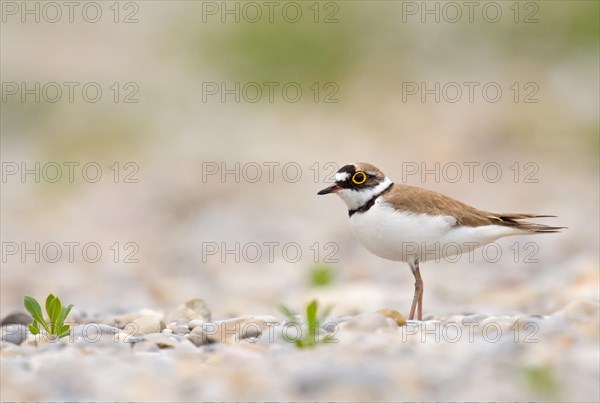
[34,309]
[311,313]
[63,314]
[310,331]
[55,309]
[34,327]
[291,315]
[313,324]
[49,300]
[65,330]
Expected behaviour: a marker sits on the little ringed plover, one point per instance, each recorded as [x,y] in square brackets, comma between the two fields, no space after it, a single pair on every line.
[409,224]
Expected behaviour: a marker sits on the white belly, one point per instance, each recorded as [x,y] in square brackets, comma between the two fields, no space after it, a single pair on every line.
[403,236]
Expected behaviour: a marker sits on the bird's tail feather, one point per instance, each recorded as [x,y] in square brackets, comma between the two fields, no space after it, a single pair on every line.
[514,220]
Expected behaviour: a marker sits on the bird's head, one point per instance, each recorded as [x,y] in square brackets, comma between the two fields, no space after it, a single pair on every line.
[357,183]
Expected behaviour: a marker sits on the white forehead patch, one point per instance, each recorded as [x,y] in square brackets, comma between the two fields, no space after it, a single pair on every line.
[341,176]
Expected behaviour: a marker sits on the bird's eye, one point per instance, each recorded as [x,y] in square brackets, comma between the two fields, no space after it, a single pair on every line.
[359,178]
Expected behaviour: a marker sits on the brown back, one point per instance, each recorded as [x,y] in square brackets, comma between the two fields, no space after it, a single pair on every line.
[424,201]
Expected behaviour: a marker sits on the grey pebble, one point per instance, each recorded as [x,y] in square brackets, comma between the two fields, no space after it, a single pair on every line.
[164,340]
[200,338]
[182,322]
[244,328]
[192,324]
[330,325]
[144,325]
[18,318]
[181,330]
[193,309]
[177,323]
[93,331]
[14,333]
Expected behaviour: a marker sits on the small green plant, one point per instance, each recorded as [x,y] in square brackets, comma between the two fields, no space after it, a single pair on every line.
[309,335]
[541,379]
[56,315]
[321,275]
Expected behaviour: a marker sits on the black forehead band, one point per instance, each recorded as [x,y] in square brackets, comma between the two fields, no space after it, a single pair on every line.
[347,169]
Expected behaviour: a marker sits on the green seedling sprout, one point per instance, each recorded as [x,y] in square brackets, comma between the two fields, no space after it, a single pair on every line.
[310,334]
[56,316]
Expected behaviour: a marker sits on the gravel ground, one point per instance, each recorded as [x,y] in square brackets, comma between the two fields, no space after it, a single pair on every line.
[185,355]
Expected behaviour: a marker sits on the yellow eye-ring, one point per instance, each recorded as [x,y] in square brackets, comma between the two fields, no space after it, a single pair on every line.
[359,178]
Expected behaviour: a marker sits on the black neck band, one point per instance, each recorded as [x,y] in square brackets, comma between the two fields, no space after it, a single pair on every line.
[365,207]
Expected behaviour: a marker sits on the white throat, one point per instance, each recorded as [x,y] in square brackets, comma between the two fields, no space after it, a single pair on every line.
[355,199]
